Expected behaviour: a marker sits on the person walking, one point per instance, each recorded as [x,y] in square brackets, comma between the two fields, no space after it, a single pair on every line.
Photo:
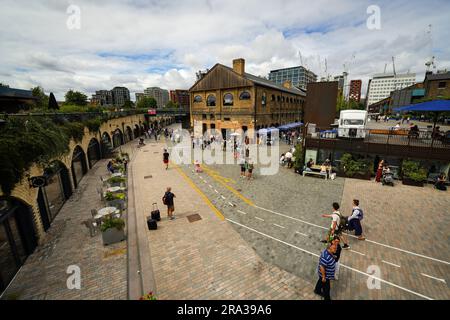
[326,271]
[242,164]
[250,167]
[335,228]
[379,171]
[337,255]
[354,221]
[168,201]
[166,158]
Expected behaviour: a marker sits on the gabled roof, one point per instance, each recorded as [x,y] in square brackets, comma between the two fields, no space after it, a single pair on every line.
[249,79]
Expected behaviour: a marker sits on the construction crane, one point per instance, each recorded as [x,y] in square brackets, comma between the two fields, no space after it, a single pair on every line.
[393,66]
[430,63]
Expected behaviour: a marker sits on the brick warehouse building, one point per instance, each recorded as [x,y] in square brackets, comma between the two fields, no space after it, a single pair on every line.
[355,90]
[181,97]
[229,98]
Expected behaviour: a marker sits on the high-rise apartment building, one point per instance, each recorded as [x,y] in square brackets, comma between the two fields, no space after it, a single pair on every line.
[299,76]
[355,90]
[160,95]
[139,96]
[120,95]
[103,98]
[381,85]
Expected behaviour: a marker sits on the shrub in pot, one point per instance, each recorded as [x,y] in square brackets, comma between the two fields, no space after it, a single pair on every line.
[113,230]
[114,199]
[299,160]
[413,174]
[359,169]
[116,181]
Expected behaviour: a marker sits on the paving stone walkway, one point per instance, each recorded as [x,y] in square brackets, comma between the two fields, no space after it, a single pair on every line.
[205,259]
[68,242]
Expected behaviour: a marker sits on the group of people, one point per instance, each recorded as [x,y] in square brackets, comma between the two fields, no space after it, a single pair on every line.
[290,137]
[328,268]
[247,166]
[287,158]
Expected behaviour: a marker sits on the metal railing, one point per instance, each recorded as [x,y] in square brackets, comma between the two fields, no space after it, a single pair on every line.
[401,137]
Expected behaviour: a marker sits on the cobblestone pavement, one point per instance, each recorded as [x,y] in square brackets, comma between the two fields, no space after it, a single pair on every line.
[103,269]
[205,259]
[280,217]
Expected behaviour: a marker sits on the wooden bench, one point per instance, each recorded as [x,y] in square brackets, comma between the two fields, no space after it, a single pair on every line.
[316,173]
[400,132]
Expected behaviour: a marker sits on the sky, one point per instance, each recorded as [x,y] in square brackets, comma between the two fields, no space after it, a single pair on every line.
[139,44]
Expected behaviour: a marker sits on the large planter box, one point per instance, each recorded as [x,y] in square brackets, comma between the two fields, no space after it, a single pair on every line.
[365,176]
[113,235]
[410,182]
[116,203]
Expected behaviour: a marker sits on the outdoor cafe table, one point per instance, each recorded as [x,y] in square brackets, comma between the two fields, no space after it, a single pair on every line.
[117,174]
[113,189]
[104,212]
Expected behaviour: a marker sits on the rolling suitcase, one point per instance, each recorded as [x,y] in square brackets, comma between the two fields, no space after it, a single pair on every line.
[155,214]
[151,224]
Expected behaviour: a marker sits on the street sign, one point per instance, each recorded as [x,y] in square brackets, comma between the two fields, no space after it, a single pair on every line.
[152,111]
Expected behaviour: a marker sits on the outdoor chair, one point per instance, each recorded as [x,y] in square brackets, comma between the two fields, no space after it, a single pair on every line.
[92,226]
[100,192]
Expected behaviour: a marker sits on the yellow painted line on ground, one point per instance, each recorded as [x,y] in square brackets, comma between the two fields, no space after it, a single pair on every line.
[234,191]
[216,173]
[204,197]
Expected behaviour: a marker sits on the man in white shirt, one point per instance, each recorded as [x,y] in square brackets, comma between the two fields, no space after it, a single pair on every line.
[334,228]
[288,157]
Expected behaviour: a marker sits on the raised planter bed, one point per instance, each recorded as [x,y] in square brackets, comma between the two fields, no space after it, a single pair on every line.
[360,176]
[410,182]
[113,235]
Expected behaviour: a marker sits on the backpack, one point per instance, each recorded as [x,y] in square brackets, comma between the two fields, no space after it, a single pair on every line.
[164,199]
[361,214]
[343,222]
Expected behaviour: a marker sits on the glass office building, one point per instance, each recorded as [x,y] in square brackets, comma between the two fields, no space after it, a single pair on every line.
[299,76]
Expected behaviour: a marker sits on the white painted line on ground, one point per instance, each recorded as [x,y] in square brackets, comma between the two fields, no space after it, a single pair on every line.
[438,279]
[342,265]
[216,191]
[301,233]
[279,226]
[210,186]
[392,264]
[242,212]
[205,181]
[231,204]
[351,250]
[367,240]
[259,218]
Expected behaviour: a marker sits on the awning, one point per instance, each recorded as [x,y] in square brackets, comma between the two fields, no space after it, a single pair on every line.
[429,106]
[290,126]
[266,130]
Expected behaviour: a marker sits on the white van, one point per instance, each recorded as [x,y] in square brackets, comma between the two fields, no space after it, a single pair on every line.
[352,124]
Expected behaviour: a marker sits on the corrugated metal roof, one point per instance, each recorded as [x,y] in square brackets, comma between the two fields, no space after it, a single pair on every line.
[16,93]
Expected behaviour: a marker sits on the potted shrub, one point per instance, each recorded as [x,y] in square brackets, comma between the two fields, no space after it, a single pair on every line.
[113,230]
[114,199]
[413,174]
[116,181]
[298,159]
[358,169]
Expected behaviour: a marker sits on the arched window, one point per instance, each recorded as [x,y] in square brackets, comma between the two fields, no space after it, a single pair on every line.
[198,99]
[263,99]
[245,95]
[211,100]
[278,98]
[290,100]
[228,99]
[273,98]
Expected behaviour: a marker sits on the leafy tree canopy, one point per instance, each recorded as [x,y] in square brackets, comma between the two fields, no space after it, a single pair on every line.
[42,98]
[76,98]
[146,103]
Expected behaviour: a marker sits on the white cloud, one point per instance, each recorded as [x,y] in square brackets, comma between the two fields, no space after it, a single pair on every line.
[163,43]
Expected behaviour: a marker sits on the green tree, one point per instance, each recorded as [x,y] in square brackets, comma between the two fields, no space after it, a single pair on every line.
[128,104]
[172,105]
[42,98]
[147,103]
[76,98]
